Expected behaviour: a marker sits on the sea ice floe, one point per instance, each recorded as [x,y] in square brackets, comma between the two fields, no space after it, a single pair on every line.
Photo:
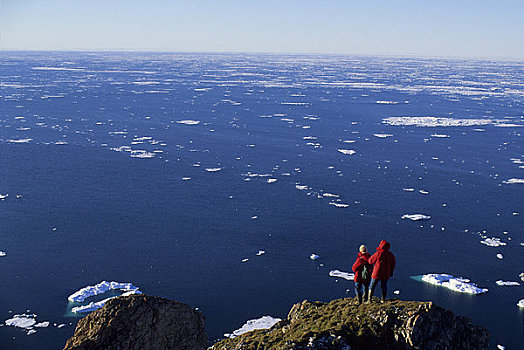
[387,102]
[301,187]
[440,135]
[19,140]
[382,136]
[270,181]
[507,283]
[261,252]
[521,303]
[456,284]
[4,196]
[100,288]
[341,274]
[347,151]
[408,189]
[265,322]
[436,121]
[22,321]
[188,122]
[492,242]
[500,256]
[339,205]
[213,170]
[514,181]
[314,256]
[2,253]
[416,217]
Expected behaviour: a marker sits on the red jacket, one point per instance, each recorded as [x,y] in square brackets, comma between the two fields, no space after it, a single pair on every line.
[358,266]
[383,261]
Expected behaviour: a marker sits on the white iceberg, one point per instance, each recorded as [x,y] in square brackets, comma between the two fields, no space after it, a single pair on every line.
[314,256]
[341,274]
[457,284]
[347,151]
[100,288]
[22,321]
[189,122]
[416,217]
[2,253]
[521,303]
[514,181]
[500,256]
[270,181]
[19,140]
[436,121]
[264,322]
[507,283]
[440,135]
[382,136]
[492,242]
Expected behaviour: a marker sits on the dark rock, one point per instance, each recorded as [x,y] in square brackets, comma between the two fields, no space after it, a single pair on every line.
[342,324]
[140,322]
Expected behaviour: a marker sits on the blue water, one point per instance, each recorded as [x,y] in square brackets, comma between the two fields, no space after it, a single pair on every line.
[79,212]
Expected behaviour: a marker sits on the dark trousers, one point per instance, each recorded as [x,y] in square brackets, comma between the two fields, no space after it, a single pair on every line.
[383,286]
[358,290]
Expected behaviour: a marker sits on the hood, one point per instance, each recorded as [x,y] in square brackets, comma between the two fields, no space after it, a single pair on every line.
[384,245]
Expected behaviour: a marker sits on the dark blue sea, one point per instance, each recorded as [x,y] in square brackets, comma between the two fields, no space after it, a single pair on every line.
[172,171]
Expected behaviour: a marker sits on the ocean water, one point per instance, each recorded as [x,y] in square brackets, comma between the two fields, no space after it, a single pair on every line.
[153,168]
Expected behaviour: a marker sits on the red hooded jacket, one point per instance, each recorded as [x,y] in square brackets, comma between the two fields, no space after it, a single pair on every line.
[358,266]
[383,261]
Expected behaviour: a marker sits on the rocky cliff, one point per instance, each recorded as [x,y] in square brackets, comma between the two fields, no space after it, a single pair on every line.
[140,322]
[343,324]
[144,322]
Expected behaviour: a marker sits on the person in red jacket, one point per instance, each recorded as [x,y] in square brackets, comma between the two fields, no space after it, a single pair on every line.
[362,281]
[383,265]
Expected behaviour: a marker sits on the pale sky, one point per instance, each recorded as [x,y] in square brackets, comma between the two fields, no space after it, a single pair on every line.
[448,28]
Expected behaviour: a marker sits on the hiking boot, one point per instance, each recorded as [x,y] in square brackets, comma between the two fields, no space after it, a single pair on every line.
[366,296]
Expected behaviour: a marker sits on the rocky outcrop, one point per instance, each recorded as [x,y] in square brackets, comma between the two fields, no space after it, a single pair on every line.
[343,324]
[140,322]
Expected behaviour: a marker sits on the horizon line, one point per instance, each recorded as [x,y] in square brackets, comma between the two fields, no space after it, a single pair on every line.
[407,55]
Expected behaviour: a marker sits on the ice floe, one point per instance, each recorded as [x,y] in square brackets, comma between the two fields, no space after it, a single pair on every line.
[457,284]
[500,256]
[314,256]
[347,151]
[100,288]
[188,122]
[264,322]
[436,121]
[387,102]
[440,135]
[514,181]
[339,205]
[270,181]
[521,303]
[507,283]
[22,321]
[382,136]
[19,140]
[341,274]
[416,217]
[260,252]
[492,242]
[213,170]
[2,253]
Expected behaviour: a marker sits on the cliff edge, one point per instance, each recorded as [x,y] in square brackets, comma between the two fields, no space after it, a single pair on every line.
[342,324]
[140,322]
[145,322]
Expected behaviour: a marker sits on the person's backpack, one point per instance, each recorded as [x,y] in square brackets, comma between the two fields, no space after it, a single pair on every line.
[366,272]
